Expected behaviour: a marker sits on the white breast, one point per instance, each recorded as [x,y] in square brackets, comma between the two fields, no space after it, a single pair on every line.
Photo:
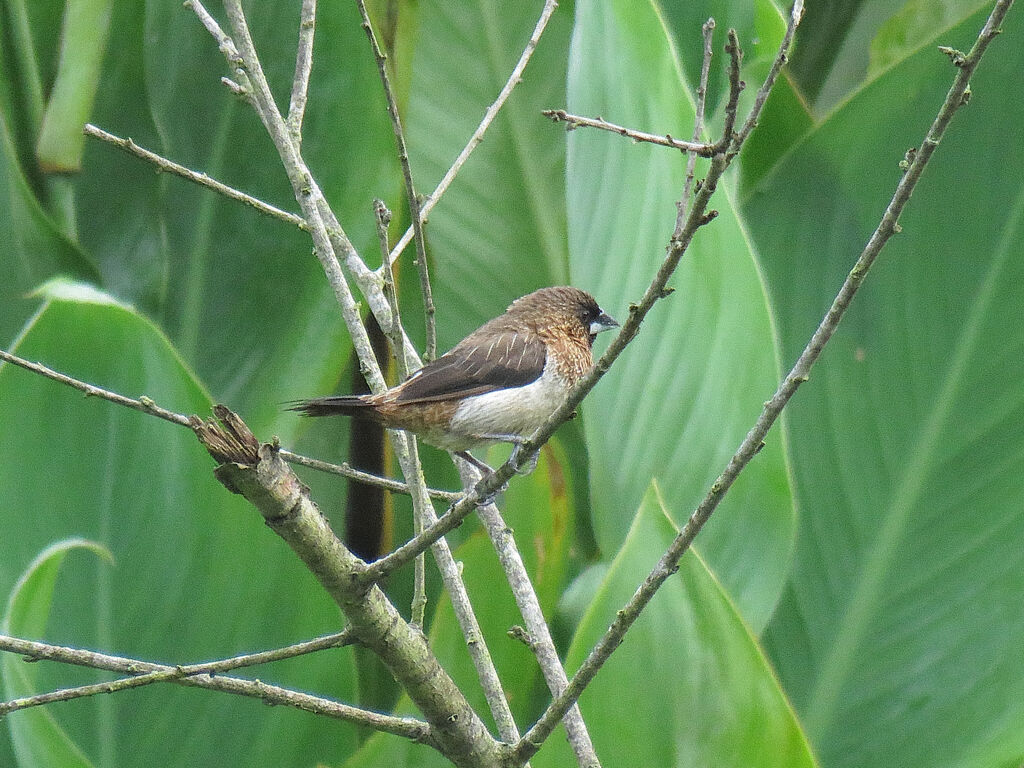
[516,411]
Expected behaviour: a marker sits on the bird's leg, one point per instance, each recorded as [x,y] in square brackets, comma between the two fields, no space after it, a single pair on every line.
[467,456]
[530,464]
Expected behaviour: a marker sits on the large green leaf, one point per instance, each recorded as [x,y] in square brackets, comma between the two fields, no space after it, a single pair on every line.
[699,690]
[198,575]
[914,25]
[36,734]
[684,394]
[499,232]
[33,243]
[538,509]
[898,637]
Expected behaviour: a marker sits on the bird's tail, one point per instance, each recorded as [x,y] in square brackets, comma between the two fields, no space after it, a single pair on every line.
[334,405]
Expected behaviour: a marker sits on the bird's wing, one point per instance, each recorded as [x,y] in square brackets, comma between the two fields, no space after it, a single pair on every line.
[482,362]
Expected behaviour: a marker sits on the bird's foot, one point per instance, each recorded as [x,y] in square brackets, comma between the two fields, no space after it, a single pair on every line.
[486,472]
[531,461]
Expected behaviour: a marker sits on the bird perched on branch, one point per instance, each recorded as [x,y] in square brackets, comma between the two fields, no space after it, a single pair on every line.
[499,384]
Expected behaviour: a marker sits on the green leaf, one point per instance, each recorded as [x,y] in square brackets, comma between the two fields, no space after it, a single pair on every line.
[198,574]
[37,737]
[700,691]
[35,244]
[681,398]
[537,508]
[916,23]
[83,44]
[897,638]
[501,226]
[827,32]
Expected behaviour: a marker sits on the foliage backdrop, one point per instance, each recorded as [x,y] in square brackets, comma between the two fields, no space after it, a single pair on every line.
[856,601]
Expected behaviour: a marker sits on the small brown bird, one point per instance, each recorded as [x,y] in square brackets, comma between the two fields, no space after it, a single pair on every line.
[499,384]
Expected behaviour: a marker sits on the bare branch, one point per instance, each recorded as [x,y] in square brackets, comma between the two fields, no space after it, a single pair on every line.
[303,68]
[175,673]
[163,164]
[708,30]
[773,73]
[476,644]
[343,469]
[735,87]
[144,404]
[224,43]
[577,121]
[256,472]
[382,216]
[541,643]
[407,727]
[429,310]
[488,118]
[306,192]
[147,405]
[887,227]
[329,238]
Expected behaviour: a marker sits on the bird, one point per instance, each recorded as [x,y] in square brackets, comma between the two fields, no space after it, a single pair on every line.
[499,384]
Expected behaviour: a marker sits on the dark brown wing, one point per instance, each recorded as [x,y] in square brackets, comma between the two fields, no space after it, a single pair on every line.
[486,360]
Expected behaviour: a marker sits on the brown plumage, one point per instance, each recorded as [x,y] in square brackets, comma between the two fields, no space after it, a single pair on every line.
[498,384]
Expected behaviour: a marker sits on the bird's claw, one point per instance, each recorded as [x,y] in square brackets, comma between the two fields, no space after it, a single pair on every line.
[531,462]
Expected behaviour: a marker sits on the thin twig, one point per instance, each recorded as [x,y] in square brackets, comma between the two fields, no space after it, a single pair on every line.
[708,31]
[147,405]
[735,87]
[407,727]
[382,216]
[224,43]
[419,513]
[303,68]
[887,227]
[343,469]
[429,311]
[773,73]
[419,592]
[478,135]
[144,404]
[163,164]
[329,238]
[177,672]
[476,644]
[578,121]
[303,187]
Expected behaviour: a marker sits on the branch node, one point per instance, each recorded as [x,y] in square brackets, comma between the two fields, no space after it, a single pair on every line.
[517,632]
[908,158]
[238,90]
[957,57]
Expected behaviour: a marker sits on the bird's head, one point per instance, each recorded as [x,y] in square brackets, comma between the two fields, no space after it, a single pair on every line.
[562,306]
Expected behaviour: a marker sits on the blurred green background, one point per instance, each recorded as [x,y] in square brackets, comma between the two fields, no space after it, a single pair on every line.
[855,601]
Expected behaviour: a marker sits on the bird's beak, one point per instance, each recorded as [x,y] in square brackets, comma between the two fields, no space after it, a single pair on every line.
[602,322]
